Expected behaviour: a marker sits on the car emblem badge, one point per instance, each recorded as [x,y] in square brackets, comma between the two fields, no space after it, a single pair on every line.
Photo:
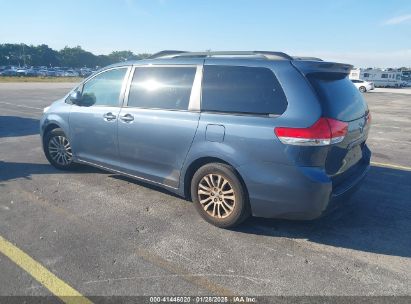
[362,128]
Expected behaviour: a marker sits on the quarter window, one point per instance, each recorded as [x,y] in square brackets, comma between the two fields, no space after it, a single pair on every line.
[239,89]
[104,89]
[161,87]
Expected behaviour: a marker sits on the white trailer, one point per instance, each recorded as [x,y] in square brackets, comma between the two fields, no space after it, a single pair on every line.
[380,78]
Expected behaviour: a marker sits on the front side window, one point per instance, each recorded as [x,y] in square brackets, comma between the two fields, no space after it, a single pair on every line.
[161,87]
[104,89]
[239,89]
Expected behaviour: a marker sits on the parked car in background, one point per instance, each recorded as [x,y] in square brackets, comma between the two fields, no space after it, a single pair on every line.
[9,72]
[85,72]
[71,73]
[238,133]
[59,73]
[26,72]
[51,73]
[31,72]
[42,73]
[362,85]
[21,72]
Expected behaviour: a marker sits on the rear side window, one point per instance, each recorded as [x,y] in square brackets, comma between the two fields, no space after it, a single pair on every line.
[161,87]
[339,98]
[237,89]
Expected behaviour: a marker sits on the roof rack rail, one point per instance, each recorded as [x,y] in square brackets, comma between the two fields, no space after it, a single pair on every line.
[262,54]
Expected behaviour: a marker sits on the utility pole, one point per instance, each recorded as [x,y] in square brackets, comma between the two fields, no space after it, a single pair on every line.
[24,55]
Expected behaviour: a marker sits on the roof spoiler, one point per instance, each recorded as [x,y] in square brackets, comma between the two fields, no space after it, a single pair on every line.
[307,58]
[165,53]
[310,67]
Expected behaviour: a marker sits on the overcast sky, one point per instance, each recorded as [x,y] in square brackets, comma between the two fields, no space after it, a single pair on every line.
[363,33]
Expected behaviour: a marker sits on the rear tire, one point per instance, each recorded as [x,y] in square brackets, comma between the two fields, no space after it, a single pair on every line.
[219,196]
[57,149]
[363,89]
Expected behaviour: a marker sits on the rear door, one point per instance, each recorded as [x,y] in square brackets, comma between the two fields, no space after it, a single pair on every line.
[158,122]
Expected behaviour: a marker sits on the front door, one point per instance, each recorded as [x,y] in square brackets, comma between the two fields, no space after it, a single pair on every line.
[93,125]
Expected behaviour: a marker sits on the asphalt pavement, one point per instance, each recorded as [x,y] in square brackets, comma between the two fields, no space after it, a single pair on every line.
[104,234]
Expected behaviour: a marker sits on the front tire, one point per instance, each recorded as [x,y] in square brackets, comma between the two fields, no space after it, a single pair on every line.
[219,196]
[57,149]
[363,89]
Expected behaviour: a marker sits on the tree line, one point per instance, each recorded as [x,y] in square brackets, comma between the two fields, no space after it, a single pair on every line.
[43,55]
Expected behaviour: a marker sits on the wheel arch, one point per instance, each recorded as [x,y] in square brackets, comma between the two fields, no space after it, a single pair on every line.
[50,127]
[197,164]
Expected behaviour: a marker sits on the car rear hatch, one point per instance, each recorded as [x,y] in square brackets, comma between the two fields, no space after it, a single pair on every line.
[342,104]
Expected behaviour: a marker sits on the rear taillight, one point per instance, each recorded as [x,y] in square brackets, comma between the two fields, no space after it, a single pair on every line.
[325,131]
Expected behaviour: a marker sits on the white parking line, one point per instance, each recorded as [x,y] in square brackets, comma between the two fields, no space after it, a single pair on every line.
[391,166]
[20,106]
[26,114]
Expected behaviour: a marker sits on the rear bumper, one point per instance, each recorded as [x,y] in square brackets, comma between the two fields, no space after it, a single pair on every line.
[342,193]
[300,193]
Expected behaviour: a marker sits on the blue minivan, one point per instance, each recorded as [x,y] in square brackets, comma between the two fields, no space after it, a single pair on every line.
[238,133]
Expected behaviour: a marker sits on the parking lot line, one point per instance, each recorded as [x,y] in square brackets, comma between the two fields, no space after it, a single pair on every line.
[7,112]
[392,166]
[55,285]
[20,106]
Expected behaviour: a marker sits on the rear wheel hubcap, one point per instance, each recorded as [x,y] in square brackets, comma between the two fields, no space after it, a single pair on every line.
[216,195]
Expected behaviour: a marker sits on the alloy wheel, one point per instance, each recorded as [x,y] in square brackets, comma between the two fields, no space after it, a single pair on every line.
[60,150]
[216,195]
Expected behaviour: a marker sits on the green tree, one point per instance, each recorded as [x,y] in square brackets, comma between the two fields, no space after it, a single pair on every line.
[43,55]
[76,57]
[118,56]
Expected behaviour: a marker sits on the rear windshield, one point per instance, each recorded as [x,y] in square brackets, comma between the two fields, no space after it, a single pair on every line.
[339,97]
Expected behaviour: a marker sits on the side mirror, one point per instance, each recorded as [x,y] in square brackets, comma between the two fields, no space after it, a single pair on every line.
[75,97]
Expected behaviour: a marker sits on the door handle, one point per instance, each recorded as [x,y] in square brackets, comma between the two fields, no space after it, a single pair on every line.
[127,118]
[109,116]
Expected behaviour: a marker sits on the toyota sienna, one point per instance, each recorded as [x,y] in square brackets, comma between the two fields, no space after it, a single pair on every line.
[238,133]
